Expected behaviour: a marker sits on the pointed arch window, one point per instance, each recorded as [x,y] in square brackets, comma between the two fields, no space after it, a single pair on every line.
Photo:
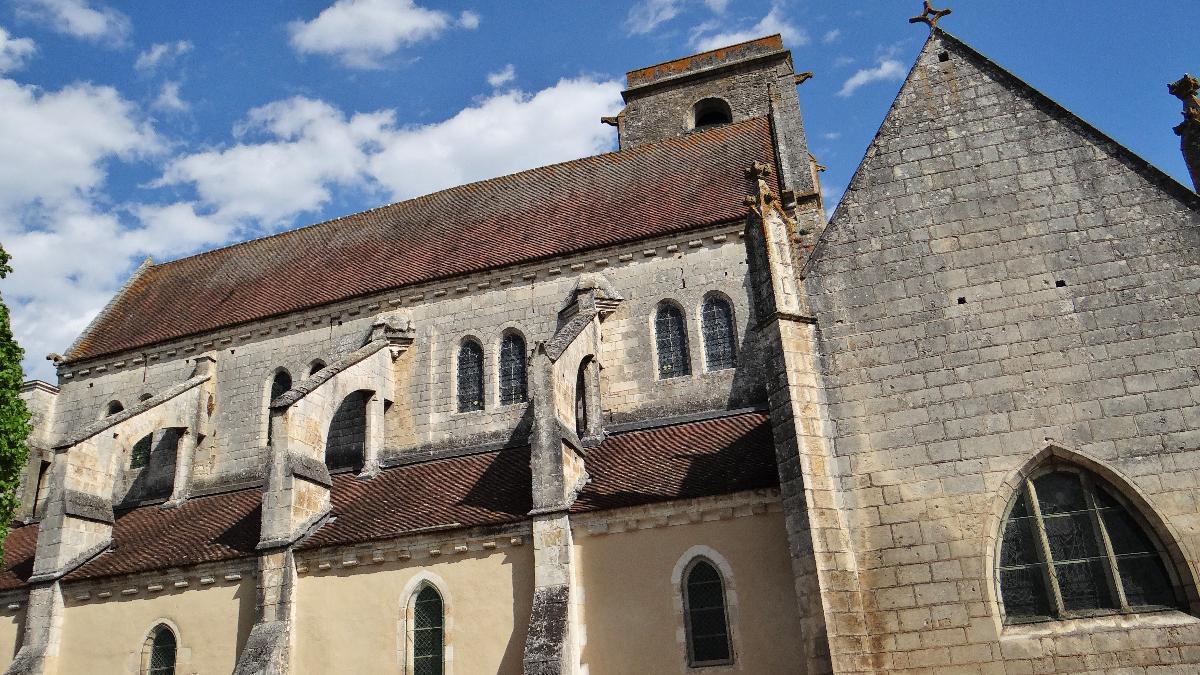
[428,633]
[707,617]
[470,376]
[280,385]
[670,338]
[1072,547]
[513,382]
[161,648]
[716,323]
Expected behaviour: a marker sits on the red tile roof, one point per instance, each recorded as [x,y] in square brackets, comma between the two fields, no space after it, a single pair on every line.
[656,189]
[695,459]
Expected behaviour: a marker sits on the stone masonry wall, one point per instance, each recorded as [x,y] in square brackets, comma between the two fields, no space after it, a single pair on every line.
[683,269]
[1000,278]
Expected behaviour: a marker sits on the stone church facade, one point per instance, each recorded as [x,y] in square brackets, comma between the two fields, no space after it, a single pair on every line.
[647,412]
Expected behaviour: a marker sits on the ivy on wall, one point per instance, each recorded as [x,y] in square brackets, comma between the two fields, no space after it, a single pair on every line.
[14,416]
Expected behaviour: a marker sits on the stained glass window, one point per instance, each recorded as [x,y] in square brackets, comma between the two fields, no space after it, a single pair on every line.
[1071,548]
[512,370]
[279,386]
[428,633]
[670,336]
[716,322]
[162,652]
[470,377]
[139,456]
[707,624]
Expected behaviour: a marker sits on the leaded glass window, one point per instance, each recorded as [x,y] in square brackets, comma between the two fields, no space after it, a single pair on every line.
[512,370]
[1071,548]
[670,337]
[428,632]
[716,322]
[279,386]
[707,622]
[470,377]
[162,652]
[139,456]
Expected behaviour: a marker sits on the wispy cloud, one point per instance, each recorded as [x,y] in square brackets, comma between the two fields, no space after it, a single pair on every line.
[647,15]
[362,32]
[161,53]
[773,22]
[831,36]
[14,52]
[886,69]
[79,18]
[503,76]
[168,98]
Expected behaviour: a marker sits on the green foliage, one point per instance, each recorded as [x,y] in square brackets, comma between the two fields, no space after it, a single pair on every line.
[14,416]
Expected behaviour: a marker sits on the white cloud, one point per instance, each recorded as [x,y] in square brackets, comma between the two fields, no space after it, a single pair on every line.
[506,132]
[888,69]
[843,61]
[831,36]
[648,14]
[772,23]
[160,53]
[14,52]
[80,19]
[469,20]
[503,76]
[831,135]
[361,32]
[717,6]
[168,98]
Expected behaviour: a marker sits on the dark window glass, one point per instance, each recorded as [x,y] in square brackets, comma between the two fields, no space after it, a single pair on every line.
[162,652]
[512,370]
[428,635]
[670,335]
[708,630]
[113,408]
[716,323]
[470,377]
[581,417]
[279,386]
[346,441]
[316,366]
[140,455]
[1097,551]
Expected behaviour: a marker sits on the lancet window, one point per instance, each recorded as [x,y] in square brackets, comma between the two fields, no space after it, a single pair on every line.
[707,618]
[470,376]
[428,632]
[513,382]
[716,323]
[670,338]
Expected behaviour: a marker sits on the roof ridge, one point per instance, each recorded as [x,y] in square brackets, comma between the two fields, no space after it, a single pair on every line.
[624,152]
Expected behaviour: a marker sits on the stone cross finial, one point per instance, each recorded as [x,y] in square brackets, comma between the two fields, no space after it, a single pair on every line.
[1185,89]
[929,15]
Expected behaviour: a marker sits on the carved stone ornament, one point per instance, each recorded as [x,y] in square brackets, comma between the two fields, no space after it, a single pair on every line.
[929,15]
[1185,89]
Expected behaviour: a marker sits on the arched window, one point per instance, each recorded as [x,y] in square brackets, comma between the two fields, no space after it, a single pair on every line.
[581,399]
[139,455]
[716,323]
[428,632]
[1071,548]
[710,112]
[113,408]
[279,386]
[707,620]
[470,376]
[512,370]
[670,337]
[315,366]
[346,441]
[159,652]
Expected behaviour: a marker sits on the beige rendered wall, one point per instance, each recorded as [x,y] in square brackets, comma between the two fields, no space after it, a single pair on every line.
[12,623]
[631,604]
[210,624]
[350,620]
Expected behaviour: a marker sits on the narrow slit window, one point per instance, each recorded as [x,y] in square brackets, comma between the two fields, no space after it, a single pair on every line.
[162,652]
[280,385]
[720,345]
[707,618]
[428,634]
[1071,548]
[513,382]
[470,377]
[670,337]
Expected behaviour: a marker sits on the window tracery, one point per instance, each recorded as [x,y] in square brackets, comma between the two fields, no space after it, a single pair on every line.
[670,338]
[706,614]
[470,377]
[716,323]
[513,380]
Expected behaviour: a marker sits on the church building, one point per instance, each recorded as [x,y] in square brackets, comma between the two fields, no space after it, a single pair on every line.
[652,412]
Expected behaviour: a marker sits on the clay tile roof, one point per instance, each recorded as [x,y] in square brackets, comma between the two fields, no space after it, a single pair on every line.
[656,189]
[697,459]
[202,529]
[486,489]
[19,548]
[682,461]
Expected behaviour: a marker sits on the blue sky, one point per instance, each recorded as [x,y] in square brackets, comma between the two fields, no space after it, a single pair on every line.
[165,128]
